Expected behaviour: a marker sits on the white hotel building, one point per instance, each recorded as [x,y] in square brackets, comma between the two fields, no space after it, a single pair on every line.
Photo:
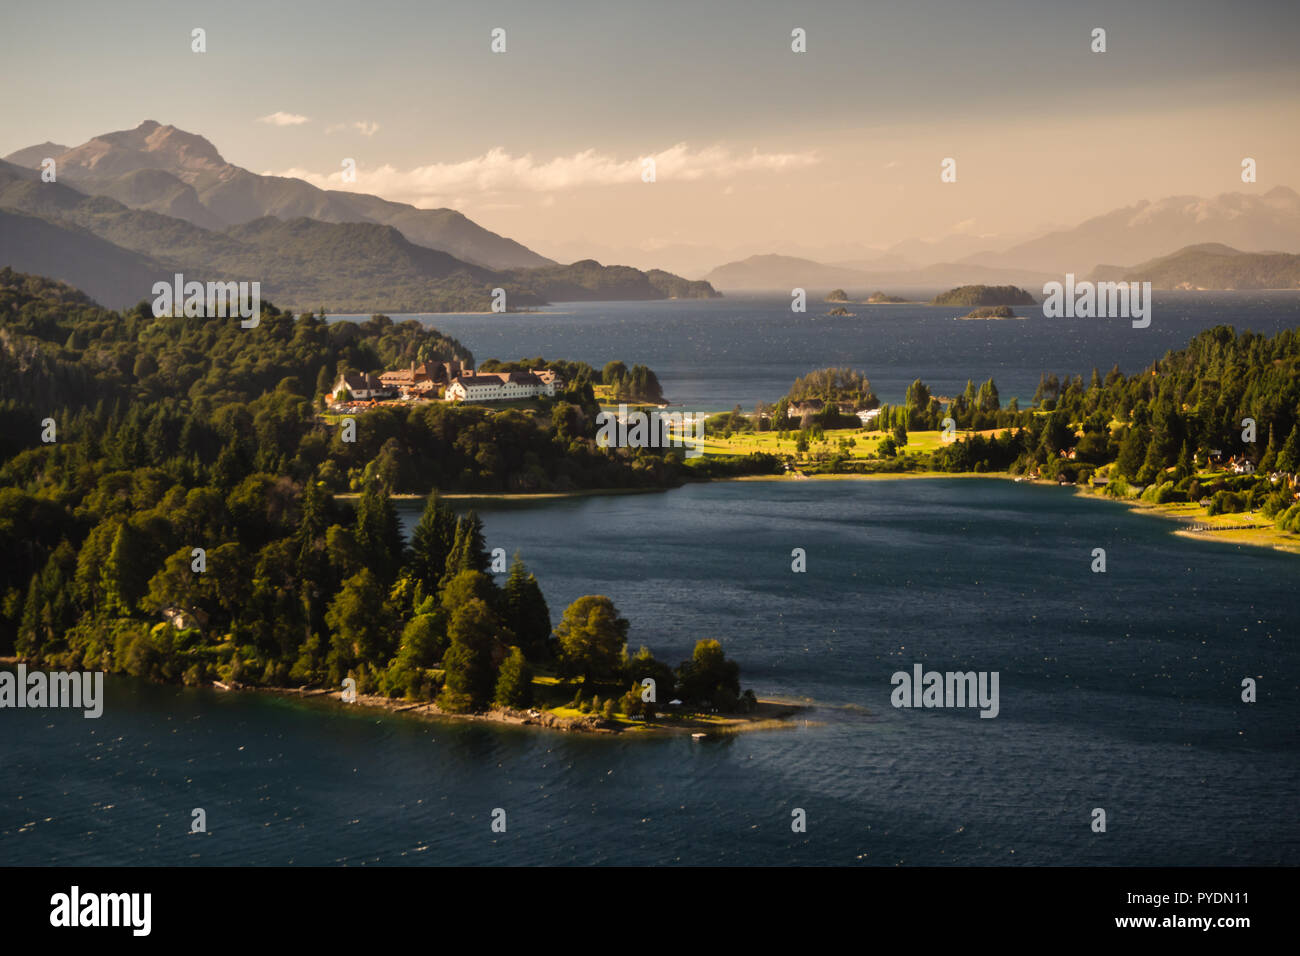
[502,386]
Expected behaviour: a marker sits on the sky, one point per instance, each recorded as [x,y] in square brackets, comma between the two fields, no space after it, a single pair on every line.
[834,152]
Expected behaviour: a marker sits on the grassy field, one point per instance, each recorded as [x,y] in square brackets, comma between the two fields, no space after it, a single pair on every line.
[866,444]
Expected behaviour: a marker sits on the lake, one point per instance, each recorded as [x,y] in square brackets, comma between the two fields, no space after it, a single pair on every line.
[711,354]
[1118,690]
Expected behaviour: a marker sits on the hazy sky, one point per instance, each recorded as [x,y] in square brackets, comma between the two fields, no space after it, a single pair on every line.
[756,146]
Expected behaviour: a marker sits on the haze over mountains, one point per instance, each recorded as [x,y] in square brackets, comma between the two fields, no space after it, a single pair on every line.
[1246,222]
[773,273]
[139,204]
[156,199]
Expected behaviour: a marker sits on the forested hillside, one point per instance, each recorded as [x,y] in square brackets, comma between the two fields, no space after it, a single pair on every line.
[132,440]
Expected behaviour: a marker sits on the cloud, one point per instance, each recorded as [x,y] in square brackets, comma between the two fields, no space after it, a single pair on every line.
[282,119]
[364,127]
[498,171]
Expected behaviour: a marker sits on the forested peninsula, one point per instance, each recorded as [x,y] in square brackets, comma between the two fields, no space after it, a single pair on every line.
[168,509]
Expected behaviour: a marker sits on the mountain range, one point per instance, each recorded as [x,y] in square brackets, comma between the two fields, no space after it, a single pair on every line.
[164,169]
[1142,233]
[154,200]
[773,272]
[142,204]
[1210,265]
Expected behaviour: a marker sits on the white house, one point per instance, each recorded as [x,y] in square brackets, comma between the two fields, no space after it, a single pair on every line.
[501,386]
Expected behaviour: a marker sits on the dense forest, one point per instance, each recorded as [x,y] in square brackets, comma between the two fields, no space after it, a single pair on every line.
[183,467]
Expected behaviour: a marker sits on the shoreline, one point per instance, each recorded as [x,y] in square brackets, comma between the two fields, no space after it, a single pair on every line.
[511,495]
[1197,525]
[772,714]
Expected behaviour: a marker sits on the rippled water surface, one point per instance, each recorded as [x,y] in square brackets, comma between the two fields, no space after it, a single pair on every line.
[1117,690]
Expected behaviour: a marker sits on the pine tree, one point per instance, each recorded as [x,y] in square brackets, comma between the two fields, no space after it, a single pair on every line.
[431,543]
[514,686]
[1153,464]
[313,521]
[323,383]
[1269,462]
[379,535]
[1132,452]
[1288,459]
[125,573]
[468,553]
[526,612]
[1186,464]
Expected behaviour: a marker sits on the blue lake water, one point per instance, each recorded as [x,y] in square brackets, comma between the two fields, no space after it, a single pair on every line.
[712,354]
[1118,690]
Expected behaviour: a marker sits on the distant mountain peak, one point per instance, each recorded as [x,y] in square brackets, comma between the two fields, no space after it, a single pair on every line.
[154,145]
[32,156]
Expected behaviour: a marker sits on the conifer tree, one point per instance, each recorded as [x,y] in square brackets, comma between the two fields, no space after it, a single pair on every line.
[1269,461]
[379,535]
[525,611]
[1288,459]
[514,686]
[431,543]
[468,553]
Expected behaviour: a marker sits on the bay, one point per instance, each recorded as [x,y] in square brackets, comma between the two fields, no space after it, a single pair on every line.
[1118,690]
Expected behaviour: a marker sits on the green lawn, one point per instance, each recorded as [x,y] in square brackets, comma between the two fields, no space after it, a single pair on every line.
[866,443]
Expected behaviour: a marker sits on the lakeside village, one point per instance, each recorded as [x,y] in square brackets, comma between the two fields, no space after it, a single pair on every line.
[457,382]
[453,381]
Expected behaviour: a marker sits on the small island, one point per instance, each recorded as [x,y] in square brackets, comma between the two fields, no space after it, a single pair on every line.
[977,295]
[840,311]
[837,295]
[879,298]
[991,312]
